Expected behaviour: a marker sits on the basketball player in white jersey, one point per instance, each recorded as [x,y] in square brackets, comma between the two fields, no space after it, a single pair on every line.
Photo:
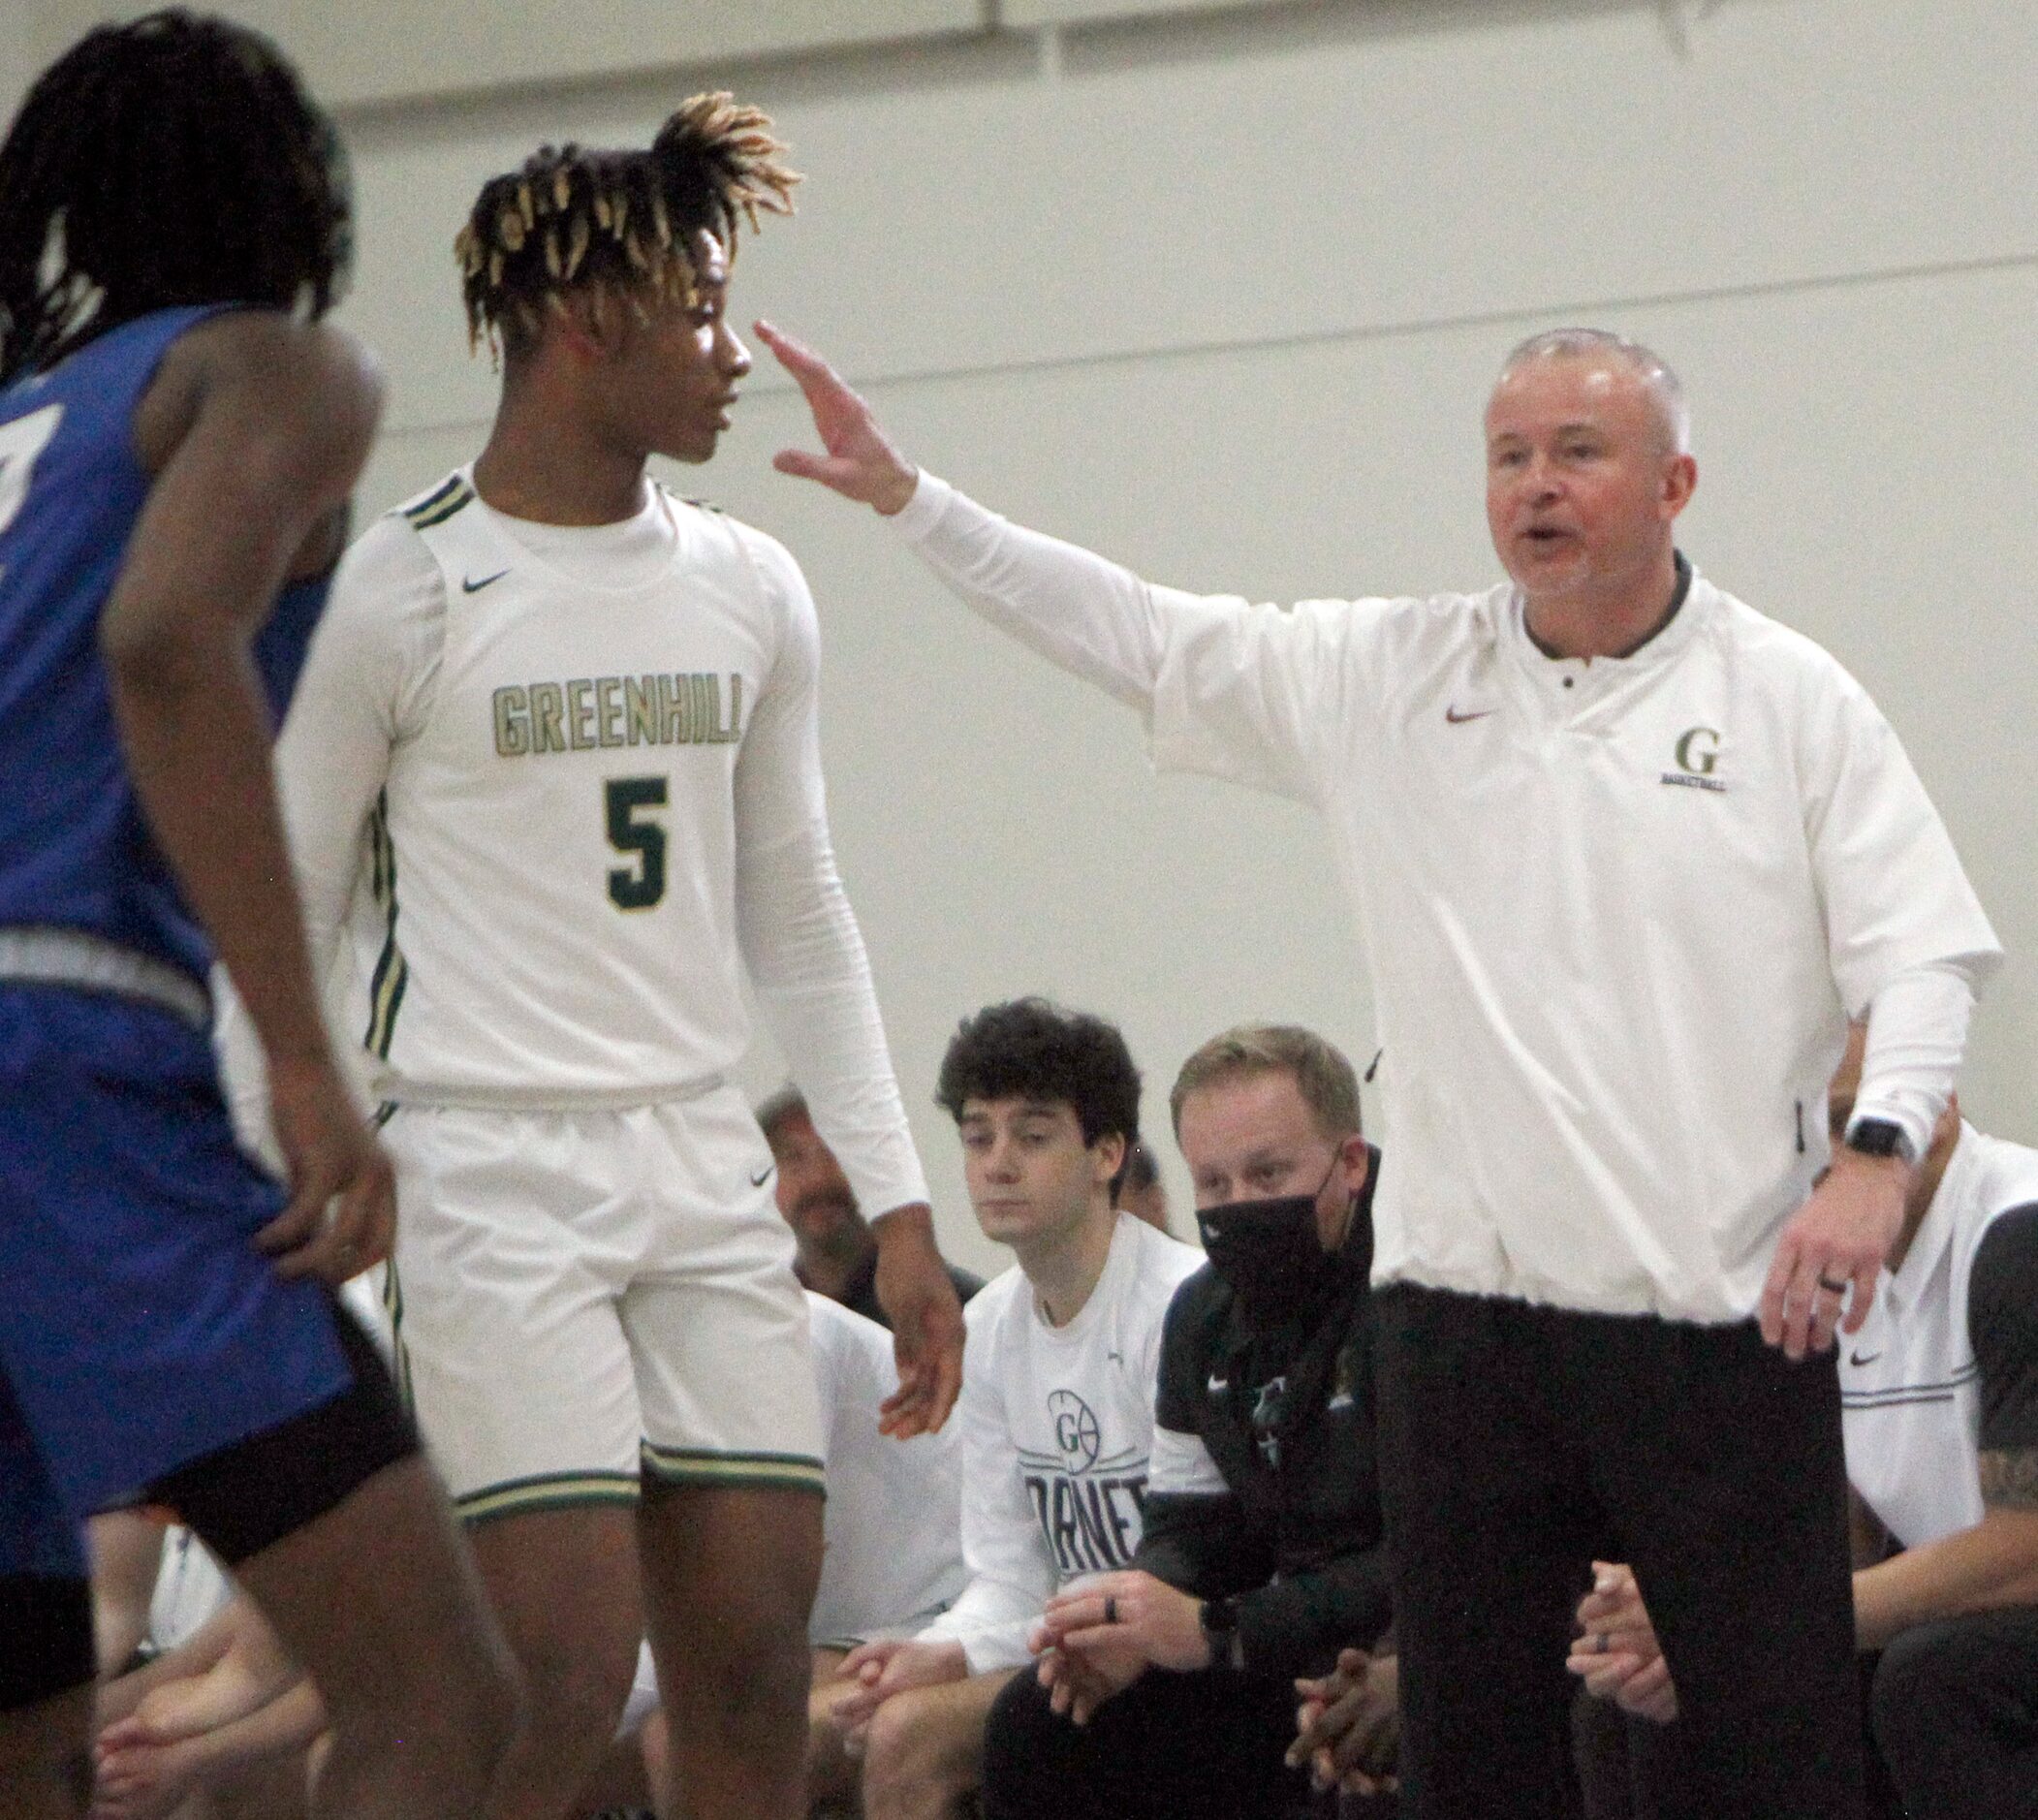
[562,726]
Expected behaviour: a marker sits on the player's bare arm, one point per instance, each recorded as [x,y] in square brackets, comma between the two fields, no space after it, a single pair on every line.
[255,429]
[1987,1567]
[913,1289]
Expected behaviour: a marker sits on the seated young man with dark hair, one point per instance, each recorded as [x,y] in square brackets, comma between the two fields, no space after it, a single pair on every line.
[1057,1386]
[1939,1401]
[1262,1554]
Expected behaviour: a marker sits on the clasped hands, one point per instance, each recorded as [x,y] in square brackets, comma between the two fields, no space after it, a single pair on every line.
[1099,1636]
[1348,1726]
[1616,1654]
[1095,1640]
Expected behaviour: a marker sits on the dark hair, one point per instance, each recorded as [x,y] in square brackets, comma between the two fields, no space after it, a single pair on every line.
[175,160]
[615,222]
[1032,1049]
[1141,1168]
[777,1107]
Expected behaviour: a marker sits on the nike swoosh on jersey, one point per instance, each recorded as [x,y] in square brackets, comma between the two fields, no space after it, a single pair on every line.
[1854,1359]
[762,1176]
[1457,719]
[469,585]
[1217,1386]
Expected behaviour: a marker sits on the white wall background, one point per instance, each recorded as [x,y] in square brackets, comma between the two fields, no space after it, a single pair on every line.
[1222,294]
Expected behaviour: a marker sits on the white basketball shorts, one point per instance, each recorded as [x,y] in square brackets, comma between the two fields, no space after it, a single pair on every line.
[582,1300]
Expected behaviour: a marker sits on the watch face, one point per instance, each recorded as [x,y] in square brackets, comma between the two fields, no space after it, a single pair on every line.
[1876,1137]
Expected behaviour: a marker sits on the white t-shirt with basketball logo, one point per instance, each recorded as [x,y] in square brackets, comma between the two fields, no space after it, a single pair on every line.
[1057,1434]
[569,781]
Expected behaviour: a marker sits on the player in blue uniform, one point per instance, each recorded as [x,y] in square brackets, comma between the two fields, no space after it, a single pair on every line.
[177,439]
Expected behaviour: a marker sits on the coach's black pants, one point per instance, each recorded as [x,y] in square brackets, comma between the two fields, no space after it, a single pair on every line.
[1172,1746]
[1515,1443]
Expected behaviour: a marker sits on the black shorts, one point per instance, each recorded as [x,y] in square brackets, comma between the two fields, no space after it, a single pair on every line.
[237,1499]
[256,1492]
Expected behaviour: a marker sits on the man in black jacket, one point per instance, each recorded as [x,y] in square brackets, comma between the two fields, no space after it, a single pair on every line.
[1169,1688]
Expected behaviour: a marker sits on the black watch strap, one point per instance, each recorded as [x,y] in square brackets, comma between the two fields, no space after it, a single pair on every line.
[1220,1627]
[1878,1137]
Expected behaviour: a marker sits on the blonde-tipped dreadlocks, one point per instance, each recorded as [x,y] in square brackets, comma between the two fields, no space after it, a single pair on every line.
[616,223]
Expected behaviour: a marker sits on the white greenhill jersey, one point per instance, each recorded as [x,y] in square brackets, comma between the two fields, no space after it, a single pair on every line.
[1057,1434]
[570,783]
[554,850]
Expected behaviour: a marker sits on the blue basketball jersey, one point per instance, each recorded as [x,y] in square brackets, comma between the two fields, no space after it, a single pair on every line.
[76,851]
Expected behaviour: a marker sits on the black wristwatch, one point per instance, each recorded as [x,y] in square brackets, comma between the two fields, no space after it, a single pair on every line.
[1220,1630]
[1878,1137]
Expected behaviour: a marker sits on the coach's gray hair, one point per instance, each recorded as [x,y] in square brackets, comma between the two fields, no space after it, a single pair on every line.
[1666,390]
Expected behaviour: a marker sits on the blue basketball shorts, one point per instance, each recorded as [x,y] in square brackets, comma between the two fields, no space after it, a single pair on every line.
[139,1328]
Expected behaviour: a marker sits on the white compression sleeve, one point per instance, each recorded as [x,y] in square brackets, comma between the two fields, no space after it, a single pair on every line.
[1917,1036]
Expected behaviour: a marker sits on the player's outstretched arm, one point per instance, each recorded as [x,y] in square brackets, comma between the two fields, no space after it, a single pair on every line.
[255,430]
[861,462]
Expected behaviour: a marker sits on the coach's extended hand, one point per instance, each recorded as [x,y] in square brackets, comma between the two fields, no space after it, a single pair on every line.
[861,462]
[913,1289]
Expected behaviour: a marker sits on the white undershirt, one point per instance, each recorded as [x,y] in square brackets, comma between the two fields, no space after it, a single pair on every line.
[627,553]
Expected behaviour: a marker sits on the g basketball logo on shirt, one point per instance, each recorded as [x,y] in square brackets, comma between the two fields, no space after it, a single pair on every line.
[1088,1502]
[1697,757]
[1075,1430]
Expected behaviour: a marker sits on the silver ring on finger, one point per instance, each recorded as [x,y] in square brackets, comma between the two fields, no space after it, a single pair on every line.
[1830,1287]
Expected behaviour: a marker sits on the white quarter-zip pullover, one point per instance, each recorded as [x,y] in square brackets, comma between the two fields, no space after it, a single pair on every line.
[1617,911]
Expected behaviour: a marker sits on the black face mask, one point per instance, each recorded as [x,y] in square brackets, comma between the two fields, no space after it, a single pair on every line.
[1268,1251]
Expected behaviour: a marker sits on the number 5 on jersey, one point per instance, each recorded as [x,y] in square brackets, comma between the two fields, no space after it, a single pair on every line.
[633,832]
